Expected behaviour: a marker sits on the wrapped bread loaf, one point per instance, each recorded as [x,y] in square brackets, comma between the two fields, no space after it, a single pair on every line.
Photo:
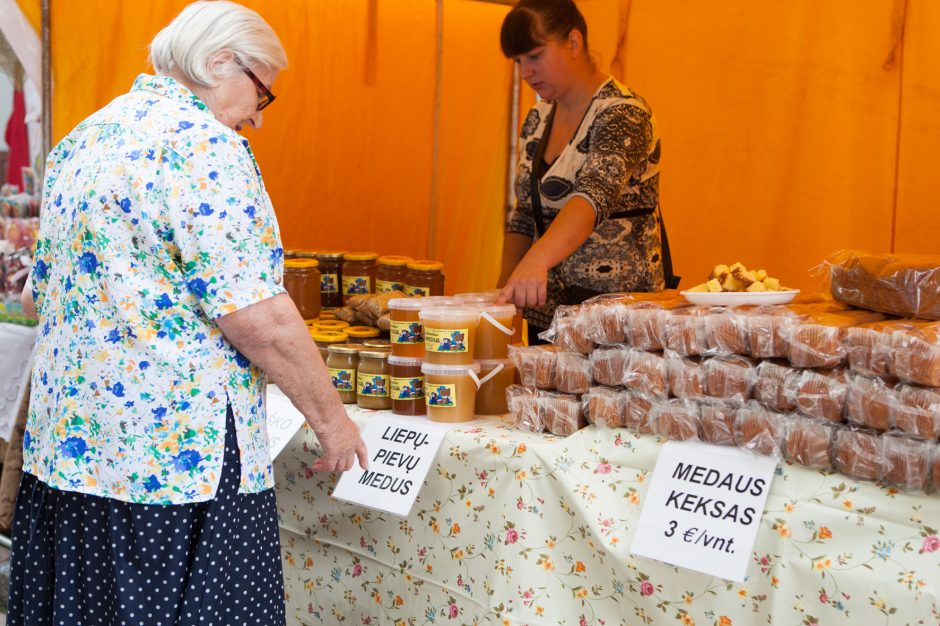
[819,393]
[523,403]
[857,453]
[808,441]
[817,340]
[609,364]
[916,352]
[535,364]
[646,373]
[770,385]
[685,330]
[726,331]
[637,412]
[561,413]
[869,348]
[906,285]
[604,406]
[869,401]
[906,461]
[676,419]
[572,372]
[716,421]
[768,327]
[686,375]
[759,429]
[730,377]
[644,325]
[917,411]
[606,316]
[570,329]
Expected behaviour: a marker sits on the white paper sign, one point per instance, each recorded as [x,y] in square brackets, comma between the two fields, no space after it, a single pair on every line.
[283,420]
[703,508]
[401,451]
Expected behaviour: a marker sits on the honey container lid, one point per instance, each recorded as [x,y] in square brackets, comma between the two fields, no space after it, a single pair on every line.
[393,260]
[297,263]
[374,354]
[377,344]
[405,361]
[344,348]
[329,324]
[362,331]
[331,255]
[480,297]
[305,253]
[328,336]
[450,314]
[450,370]
[426,265]
[360,256]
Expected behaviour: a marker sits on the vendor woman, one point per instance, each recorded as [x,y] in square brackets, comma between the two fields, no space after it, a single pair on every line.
[586,219]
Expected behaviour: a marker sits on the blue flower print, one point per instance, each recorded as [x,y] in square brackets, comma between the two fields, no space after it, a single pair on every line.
[205,209]
[88,263]
[186,460]
[73,447]
[184,125]
[152,484]
[27,440]
[125,205]
[198,287]
[118,390]
[163,302]
[40,270]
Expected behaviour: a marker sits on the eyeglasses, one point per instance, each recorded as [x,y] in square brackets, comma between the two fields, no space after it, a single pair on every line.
[264,94]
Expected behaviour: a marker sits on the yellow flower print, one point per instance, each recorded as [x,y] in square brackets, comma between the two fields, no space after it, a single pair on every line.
[581,593]
[539,610]
[742,592]
[579,566]
[783,530]
[687,620]
[823,564]
[724,620]
[547,564]
[788,507]
[688,598]
[847,504]
[633,498]
[824,532]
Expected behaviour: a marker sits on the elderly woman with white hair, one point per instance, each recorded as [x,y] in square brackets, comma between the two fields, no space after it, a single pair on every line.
[147,491]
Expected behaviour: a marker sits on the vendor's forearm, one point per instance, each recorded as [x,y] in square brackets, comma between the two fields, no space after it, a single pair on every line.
[272,335]
[569,230]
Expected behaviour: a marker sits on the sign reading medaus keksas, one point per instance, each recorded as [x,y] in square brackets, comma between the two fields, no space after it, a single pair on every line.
[703,508]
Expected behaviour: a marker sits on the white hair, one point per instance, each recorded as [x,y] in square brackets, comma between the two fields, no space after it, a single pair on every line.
[206,27]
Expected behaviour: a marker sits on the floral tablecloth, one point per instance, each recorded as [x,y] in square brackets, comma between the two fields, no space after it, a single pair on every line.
[515,528]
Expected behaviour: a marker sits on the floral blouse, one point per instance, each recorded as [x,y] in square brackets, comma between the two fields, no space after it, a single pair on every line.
[612,162]
[155,222]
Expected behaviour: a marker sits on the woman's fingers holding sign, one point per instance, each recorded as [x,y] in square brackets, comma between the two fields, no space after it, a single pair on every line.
[342,446]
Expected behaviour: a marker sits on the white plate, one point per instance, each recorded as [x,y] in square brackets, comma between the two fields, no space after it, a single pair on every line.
[731,298]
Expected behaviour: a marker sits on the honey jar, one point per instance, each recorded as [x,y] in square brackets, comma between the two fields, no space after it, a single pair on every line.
[449,334]
[425,278]
[342,361]
[407,385]
[406,331]
[372,380]
[302,282]
[331,277]
[324,339]
[359,271]
[450,391]
[390,274]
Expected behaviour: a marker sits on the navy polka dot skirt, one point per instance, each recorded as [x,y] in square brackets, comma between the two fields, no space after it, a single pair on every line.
[81,560]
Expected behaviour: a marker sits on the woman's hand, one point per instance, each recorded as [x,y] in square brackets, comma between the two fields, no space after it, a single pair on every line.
[527,285]
[342,445]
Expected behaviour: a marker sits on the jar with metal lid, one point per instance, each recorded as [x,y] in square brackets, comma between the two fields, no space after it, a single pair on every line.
[302,282]
[407,385]
[342,362]
[324,339]
[358,334]
[390,275]
[377,344]
[305,253]
[331,277]
[372,380]
[425,278]
[359,271]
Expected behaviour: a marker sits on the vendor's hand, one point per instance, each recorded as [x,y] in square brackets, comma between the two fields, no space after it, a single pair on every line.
[341,444]
[527,285]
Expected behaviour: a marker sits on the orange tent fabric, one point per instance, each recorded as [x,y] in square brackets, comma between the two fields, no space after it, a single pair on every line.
[786,134]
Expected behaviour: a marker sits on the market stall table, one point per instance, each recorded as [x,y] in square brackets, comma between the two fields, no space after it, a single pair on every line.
[517,528]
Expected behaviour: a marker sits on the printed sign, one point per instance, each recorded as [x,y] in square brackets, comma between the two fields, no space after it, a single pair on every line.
[406,332]
[703,508]
[401,451]
[446,339]
[283,420]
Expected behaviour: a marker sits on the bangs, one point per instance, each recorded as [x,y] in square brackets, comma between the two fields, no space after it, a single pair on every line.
[520,33]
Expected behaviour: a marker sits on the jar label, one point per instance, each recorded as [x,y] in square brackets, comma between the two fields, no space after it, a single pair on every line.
[343,380]
[445,339]
[442,396]
[411,388]
[411,290]
[406,332]
[373,385]
[384,286]
[354,285]
[329,283]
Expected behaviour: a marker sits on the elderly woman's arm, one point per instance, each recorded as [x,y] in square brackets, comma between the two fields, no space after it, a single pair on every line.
[26,298]
[272,335]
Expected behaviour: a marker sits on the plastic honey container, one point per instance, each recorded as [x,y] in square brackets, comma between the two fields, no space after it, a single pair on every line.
[406,331]
[495,331]
[372,380]
[495,376]
[449,334]
[342,362]
[450,391]
[407,385]
[390,275]
[324,339]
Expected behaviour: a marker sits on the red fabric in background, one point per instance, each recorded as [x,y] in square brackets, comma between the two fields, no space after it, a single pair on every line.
[16,139]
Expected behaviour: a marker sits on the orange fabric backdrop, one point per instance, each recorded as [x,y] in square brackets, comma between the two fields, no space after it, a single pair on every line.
[785,134]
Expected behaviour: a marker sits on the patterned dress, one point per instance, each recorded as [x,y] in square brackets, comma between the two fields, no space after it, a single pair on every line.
[613,163]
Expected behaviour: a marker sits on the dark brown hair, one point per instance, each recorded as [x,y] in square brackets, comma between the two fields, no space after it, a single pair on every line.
[533,22]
